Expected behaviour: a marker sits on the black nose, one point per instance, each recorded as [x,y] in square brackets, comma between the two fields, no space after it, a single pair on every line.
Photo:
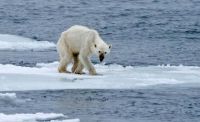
[101,57]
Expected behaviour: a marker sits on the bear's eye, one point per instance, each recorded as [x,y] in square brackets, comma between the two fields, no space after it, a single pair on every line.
[99,51]
[95,45]
[105,52]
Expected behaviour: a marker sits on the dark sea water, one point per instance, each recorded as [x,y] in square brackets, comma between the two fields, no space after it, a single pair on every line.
[142,32]
[163,104]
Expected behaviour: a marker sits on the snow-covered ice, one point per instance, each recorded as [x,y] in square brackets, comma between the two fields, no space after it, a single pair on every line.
[50,117]
[45,76]
[13,42]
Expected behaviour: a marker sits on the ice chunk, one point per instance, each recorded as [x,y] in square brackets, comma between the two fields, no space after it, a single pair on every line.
[7,96]
[11,98]
[50,117]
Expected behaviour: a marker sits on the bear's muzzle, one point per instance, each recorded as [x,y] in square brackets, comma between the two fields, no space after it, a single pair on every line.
[101,57]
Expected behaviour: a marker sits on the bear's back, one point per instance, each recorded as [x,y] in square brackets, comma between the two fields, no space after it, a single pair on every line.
[76,37]
[78,28]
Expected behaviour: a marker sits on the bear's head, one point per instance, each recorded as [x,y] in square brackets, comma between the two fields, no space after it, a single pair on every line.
[101,50]
[99,47]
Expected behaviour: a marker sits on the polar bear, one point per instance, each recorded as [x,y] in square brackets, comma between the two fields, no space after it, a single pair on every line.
[76,45]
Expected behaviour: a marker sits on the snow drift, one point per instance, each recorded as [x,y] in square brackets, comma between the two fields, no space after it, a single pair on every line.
[45,76]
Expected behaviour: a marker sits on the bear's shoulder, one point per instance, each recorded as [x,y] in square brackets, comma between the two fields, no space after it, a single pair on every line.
[79,27]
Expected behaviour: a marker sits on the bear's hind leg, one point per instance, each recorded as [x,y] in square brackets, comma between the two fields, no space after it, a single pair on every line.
[63,64]
[79,69]
[76,61]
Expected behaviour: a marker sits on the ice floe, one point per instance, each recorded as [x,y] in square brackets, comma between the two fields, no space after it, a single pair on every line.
[13,42]
[37,117]
[8,97]
[114,76]
[11,98]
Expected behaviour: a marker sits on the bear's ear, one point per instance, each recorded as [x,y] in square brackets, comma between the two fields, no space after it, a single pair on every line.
[110,46]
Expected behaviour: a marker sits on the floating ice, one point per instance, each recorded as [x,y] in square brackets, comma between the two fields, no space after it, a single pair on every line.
[13,42]
[11,98]
[50,117]
[8,96]
[45,76]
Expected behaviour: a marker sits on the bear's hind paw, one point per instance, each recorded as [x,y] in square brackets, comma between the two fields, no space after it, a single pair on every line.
[80,73]
[63,71]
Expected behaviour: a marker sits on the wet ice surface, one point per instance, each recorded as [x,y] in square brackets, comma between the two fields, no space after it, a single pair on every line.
[153,104]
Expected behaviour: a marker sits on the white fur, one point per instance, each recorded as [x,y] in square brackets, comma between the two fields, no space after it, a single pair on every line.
[83,41]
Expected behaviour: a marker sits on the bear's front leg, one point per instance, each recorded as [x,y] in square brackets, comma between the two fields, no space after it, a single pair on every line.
[87,63]
[92,71]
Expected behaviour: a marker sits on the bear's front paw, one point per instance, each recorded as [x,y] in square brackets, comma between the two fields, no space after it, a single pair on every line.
[92,72]
[61,70]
